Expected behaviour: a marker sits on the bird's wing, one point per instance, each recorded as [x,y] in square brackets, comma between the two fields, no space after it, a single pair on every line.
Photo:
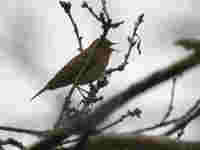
[92,74]
[96,68]
[69,72]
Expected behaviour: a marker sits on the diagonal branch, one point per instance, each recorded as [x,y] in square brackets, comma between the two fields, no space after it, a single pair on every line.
[24,131]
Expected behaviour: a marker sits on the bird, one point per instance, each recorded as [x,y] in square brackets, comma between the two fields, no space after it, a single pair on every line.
[98,53]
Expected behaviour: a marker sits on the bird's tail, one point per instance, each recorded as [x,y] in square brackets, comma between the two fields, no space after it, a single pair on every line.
[38,93]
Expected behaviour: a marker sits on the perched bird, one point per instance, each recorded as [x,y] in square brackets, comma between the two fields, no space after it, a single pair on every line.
[98,54]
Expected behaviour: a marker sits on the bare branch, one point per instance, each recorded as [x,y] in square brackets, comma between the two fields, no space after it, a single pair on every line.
[103,17]
[133,40]
[154,127]
[194,110]
[85,5]
[13,142]
[170,108]
[24,131]
[136,113]
[190,115]
[67,7]
[103,2]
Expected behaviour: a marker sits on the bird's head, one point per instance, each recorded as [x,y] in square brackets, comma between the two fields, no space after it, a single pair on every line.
[108,43]
[103,43]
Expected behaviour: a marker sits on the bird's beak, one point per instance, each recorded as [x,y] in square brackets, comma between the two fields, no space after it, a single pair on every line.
[114,43]
[115,50]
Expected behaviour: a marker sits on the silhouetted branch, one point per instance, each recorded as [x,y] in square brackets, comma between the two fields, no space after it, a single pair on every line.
[133,40]
[13,142]
[153,127]
[67,7]
[103,17]
[85,5]
[136,113]
[181,124]
[170,108]
[24,131]
[194,110]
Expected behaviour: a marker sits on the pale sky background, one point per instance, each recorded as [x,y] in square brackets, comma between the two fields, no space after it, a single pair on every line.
[37,39]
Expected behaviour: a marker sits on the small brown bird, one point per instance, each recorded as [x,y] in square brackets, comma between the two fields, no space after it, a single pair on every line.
[100,51]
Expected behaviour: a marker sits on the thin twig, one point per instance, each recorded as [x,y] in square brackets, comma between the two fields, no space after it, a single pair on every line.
[190,115]
[154,127]
[103,17]
[85,5]
[24,131]
[132,42]
[104,8]
[13,142]
[67,8]
[136,113]
[170,108]
[174,121]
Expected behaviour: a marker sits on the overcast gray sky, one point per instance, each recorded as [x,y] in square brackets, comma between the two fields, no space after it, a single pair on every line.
[37,39]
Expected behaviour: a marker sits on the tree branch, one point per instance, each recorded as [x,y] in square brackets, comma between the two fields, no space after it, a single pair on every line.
[101,113]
